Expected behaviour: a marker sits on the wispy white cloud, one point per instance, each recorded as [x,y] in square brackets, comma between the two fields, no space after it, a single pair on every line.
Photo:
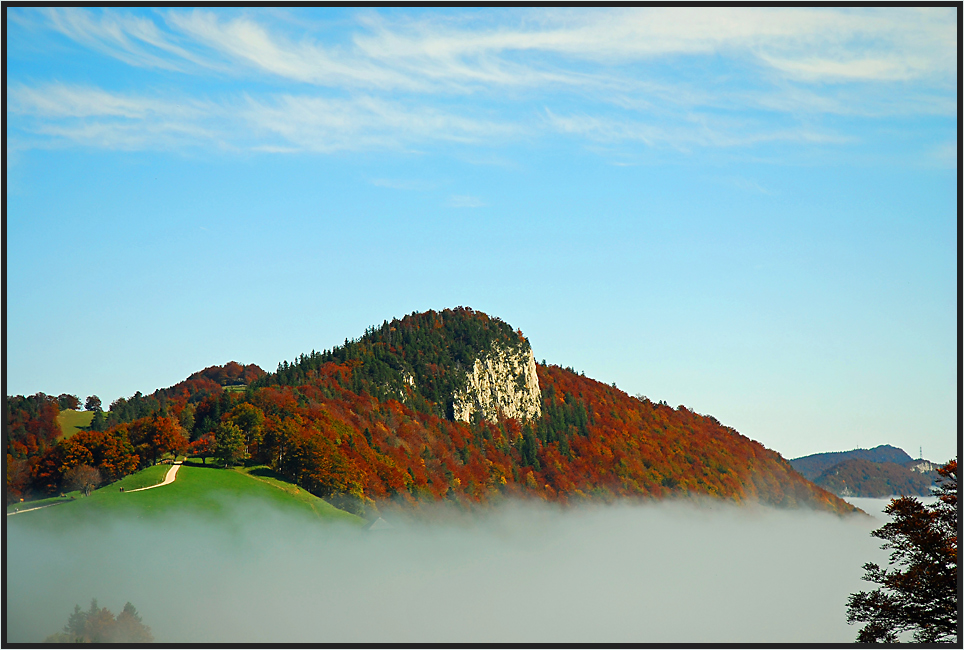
[114,135]
[131,39]
[328,125]
[817,44]
[465,201]
[245,40]
[405,185]
[277,124]
[745,184]
[94,117]
[636,74]
[878,69]
[944,155]
[64,101]
[874,102]
[692,130]
[884,44]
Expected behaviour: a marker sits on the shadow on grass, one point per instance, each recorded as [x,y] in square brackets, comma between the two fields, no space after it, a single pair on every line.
[268,473]
[194,463]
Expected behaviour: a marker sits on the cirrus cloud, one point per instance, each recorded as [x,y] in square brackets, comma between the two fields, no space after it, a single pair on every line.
[676,77]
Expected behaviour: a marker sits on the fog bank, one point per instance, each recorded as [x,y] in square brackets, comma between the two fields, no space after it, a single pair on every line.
[874,506]
[520,573]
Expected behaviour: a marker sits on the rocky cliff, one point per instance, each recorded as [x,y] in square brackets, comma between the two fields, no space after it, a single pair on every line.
[502,382]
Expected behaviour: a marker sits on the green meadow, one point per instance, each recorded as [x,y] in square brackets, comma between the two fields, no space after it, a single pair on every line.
[205,491]
[73,421]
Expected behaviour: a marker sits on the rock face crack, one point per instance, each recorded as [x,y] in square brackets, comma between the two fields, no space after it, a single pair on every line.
[502,382]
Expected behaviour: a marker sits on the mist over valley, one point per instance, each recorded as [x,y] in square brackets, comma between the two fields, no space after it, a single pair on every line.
[520,572]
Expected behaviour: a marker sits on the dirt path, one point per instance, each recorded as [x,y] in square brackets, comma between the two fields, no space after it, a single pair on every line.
[169,478]
[49,505]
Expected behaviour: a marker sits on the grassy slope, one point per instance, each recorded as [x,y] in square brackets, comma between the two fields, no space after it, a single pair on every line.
[143,478]
[40,503]
[71,421]
[267,477]
[202,490]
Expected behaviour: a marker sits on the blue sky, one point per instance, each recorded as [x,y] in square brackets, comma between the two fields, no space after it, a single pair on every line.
[751,212]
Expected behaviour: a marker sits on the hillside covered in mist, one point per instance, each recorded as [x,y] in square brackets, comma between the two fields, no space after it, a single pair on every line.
[436,406]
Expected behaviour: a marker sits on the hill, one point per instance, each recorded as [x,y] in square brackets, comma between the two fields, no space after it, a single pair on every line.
[862,478]
[812,466]
[879,472]
[451,405]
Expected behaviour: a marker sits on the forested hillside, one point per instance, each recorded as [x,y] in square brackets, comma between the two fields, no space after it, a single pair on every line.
[370,422]
[419,360]
[30,429]
[37,462]
[879,472]
[812,466]
[862,478]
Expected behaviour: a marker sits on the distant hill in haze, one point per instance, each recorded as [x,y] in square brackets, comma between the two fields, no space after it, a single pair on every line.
[449,406]
[879,472]
[862,478]
[812,466]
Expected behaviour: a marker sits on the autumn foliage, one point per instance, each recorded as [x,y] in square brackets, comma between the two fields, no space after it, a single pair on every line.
[154,436]
[31,429]
[346,425]
[114,453]
[919,591]
[866,479]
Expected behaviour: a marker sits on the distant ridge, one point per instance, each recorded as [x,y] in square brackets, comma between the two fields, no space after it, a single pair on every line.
[856,477]
[812,466]
[883,471]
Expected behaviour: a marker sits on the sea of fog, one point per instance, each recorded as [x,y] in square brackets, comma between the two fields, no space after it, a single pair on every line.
[661,572]
[875,507]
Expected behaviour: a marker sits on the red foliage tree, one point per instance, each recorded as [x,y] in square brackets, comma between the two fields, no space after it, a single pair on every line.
[203,447]
[154,436]
[82,477]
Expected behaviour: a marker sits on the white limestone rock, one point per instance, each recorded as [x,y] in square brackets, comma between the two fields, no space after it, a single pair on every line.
[503,381]
[923,467]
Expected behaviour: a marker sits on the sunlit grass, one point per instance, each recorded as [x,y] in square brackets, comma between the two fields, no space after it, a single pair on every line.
[70,421]
[208,491]
[265,475]
[144,478]
[40,503]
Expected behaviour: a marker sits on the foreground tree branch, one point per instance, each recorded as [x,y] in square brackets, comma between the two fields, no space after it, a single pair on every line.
[918,591]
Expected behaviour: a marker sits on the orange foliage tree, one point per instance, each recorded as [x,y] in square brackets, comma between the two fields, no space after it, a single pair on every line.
[154,436]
